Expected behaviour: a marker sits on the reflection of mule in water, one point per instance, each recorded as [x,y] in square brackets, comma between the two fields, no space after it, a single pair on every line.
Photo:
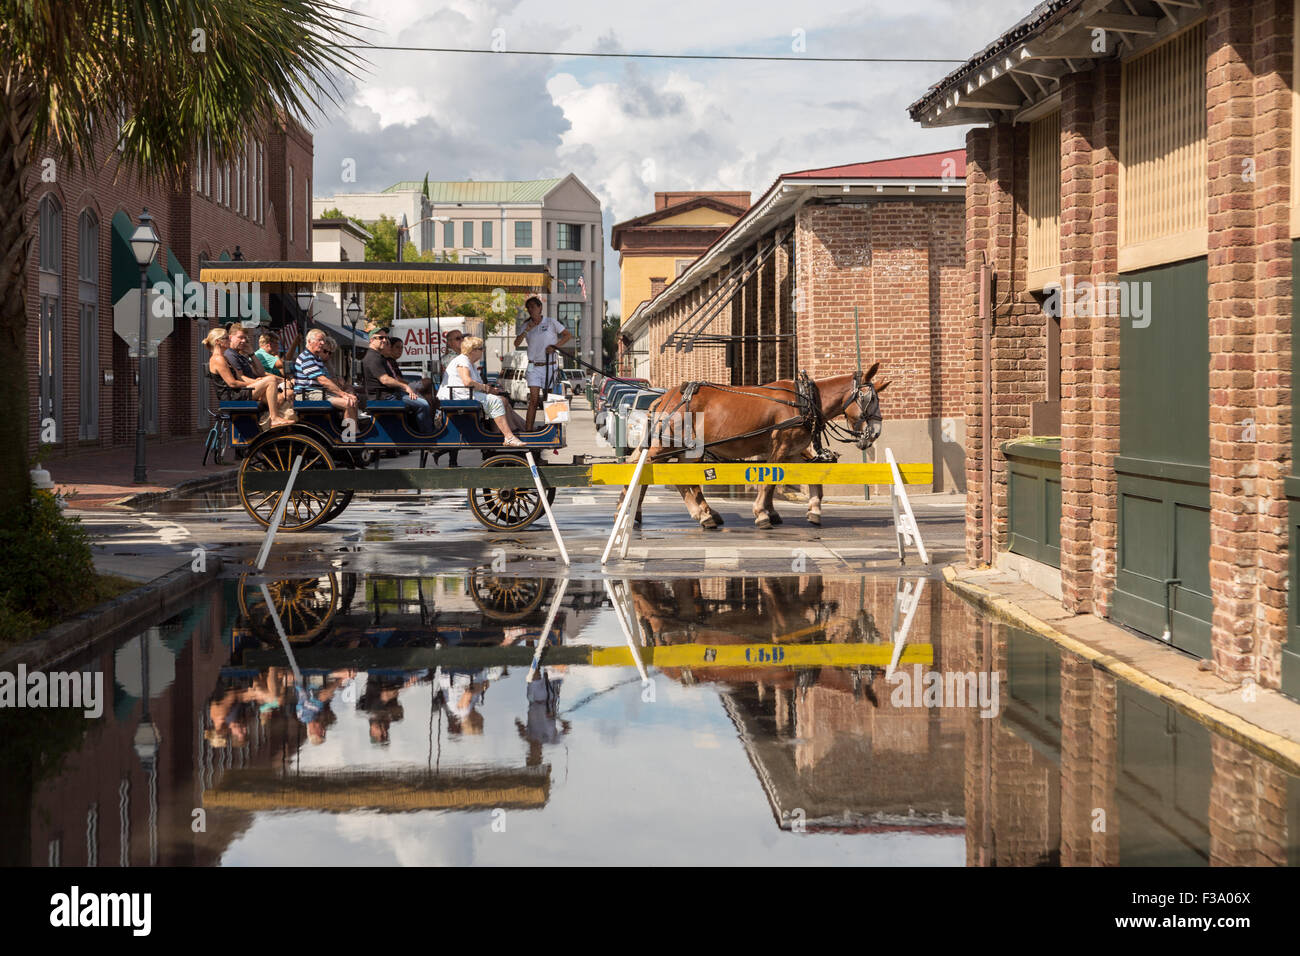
[769,610]
[784,610]
[779,422]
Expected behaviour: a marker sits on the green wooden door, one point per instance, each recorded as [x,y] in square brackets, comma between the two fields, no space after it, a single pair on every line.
[1162,579]
[1163,784]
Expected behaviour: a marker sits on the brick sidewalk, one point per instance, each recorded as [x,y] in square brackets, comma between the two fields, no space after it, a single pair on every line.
[104,476]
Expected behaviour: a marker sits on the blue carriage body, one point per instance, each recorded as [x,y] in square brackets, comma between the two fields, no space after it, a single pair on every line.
[463,424]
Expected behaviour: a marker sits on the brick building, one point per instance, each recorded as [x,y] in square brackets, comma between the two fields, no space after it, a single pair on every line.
[654,249]
[81,270]
[777,292]
[1132,189]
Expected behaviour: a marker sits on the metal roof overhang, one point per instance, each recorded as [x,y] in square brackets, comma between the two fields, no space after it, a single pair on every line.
[1018,76]
[447,276]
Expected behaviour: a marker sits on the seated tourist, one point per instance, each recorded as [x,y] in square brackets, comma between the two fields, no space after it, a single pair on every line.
[382,380]
[312,384]
[233,381]
[268,354]
[461,379]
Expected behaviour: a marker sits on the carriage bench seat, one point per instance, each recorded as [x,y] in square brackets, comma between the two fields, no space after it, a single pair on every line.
[460,406]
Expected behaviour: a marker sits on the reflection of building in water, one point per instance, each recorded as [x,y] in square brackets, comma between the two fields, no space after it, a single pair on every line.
[1082,769]
[113,801]
[827,743]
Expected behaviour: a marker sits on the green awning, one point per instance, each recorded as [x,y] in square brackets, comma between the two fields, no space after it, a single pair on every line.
[122,265]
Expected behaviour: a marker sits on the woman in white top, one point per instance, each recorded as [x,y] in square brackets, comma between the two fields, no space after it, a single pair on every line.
[462,373]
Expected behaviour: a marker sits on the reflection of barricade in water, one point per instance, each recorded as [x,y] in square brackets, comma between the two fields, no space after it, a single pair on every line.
[339,609]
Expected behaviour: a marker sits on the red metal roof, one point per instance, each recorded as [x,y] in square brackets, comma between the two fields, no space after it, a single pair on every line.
[924,166]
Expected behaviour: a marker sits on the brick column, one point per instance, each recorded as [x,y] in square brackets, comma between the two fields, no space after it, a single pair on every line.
[766,308]
[1249,125]
[1247,808]
[977,237]
[1089,344]
[996,196]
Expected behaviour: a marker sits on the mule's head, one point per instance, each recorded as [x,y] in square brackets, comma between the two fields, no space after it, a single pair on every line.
[863,409]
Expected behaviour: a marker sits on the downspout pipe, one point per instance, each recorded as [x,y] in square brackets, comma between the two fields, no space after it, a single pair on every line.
[986,344]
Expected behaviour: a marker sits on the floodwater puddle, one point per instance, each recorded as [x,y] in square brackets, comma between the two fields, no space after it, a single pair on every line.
[485,718]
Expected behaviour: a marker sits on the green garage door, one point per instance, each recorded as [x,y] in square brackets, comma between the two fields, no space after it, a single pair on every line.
[1162,579]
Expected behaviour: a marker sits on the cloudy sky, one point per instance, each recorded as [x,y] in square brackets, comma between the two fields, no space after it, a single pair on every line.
[627,127]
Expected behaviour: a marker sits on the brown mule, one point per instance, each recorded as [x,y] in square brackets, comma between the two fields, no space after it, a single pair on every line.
[758,416]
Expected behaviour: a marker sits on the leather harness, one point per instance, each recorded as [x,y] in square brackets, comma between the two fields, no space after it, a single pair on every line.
[807,403]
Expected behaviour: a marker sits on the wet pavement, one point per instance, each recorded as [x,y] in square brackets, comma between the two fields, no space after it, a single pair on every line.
[339,715]
[406,533]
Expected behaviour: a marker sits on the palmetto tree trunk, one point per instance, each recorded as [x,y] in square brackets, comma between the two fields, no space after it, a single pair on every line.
[18,112]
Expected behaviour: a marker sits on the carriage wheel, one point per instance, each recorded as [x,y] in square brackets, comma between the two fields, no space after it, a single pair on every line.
[507,509]
[344,499]
[306,509]
[305,605]
[505,599]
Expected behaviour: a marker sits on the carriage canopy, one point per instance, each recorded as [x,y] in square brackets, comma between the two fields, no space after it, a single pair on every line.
[446,276]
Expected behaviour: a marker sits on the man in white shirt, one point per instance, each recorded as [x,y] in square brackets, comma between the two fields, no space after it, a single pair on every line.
[544,335]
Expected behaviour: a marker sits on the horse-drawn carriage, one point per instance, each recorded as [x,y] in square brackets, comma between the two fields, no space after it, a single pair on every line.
[325,440]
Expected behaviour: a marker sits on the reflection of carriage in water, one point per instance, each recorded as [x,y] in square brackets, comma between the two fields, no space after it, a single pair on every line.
[325,441]
[325,610]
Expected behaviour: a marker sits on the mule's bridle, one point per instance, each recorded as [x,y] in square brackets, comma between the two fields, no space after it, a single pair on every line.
[868,401]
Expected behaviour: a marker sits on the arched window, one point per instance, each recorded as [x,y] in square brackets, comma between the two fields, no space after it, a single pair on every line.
[88,307]
[49,343]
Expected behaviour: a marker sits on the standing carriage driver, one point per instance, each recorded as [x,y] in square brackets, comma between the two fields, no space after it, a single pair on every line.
[544,335]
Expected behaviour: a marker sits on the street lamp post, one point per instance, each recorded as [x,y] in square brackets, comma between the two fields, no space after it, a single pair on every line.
[354,314]
[144,246]
[402,231]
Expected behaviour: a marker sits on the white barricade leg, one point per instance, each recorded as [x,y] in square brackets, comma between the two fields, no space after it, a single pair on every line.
[546,629]
[906,601]
[905,525]
[541,490]
[623,518]
[278,516]
[620,613]
[284,639]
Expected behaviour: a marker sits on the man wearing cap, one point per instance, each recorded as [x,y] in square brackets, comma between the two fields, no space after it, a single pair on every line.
[544,335]
[380,383]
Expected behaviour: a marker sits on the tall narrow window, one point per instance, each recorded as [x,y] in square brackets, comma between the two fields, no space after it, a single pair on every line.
[487,235]
[49,360]
[467,234]
[1045,200]
[88,307]
[1162,153]
[524,235]
[449,235]
[290,216]
[306,213]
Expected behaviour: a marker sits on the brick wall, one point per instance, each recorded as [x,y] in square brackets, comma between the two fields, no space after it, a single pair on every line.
[997,184]
[188,223]
[1248,99]
[900,263]
[1089,344]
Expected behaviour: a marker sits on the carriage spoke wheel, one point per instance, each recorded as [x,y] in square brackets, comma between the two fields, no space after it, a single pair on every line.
[505,599]
[306,508]
[507,509]
[305,605]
